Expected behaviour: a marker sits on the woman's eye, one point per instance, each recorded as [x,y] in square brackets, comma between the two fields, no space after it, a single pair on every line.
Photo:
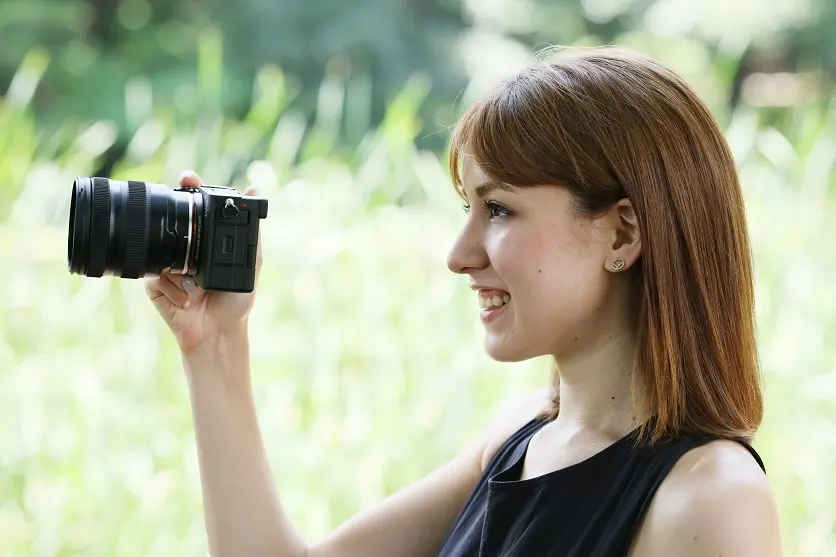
[496,210]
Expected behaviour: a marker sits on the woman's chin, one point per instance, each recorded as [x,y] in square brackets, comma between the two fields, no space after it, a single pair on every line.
[501,350]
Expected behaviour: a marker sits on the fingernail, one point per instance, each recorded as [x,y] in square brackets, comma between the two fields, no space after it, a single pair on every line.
[186,173]
[187,304]
[188,286]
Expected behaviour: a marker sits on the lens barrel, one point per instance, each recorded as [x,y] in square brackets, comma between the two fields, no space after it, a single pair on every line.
[132,229]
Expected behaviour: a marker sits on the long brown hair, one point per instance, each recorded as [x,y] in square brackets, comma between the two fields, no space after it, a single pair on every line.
[608,123]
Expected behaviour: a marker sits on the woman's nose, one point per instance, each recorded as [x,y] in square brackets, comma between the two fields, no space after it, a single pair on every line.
[467,254]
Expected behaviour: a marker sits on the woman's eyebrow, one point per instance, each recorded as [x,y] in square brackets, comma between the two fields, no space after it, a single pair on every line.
[485,188]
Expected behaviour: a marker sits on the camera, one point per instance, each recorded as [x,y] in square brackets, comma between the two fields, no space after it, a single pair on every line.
[133,229]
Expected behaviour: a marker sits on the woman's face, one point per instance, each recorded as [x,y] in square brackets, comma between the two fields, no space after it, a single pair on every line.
[523,246]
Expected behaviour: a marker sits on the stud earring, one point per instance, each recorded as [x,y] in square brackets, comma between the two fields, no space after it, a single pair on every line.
[618,264]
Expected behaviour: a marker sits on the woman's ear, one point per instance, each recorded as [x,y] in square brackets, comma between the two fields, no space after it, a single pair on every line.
[627,241]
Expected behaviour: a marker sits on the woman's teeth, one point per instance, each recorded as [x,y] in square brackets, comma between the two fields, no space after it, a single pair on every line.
[495,301]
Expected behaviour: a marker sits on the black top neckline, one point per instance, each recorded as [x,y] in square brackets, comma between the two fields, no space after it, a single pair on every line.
[509,477]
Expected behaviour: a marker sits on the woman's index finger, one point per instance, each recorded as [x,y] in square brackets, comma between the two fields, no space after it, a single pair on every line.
[190,179]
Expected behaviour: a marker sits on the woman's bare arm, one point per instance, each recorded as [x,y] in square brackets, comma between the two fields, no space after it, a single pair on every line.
[243,512]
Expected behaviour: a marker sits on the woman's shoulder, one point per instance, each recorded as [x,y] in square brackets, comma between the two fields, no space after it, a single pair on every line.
[716,500]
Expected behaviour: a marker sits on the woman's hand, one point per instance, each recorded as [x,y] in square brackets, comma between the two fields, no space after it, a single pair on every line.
[196,317]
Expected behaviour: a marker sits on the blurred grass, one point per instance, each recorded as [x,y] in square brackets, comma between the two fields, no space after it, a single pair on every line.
[368,365]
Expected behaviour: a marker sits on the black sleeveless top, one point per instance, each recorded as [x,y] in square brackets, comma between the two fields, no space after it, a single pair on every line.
[590,509]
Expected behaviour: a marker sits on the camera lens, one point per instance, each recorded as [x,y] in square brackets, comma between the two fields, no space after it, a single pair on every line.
[132,229]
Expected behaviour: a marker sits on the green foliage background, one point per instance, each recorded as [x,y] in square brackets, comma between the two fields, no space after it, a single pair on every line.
[368,365]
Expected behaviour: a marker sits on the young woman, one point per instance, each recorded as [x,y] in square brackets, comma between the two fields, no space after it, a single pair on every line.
[605,228]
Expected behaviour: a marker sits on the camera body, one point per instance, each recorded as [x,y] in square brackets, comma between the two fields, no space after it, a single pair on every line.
[226,238]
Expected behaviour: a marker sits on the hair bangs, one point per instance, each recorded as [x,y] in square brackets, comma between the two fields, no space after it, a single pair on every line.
[504,133]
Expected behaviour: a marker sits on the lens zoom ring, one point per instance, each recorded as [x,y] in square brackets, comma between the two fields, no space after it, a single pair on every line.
[99,228]
[136,242]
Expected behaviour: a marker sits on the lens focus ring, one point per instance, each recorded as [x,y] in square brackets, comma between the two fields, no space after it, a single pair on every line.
[136,243]
[100,222]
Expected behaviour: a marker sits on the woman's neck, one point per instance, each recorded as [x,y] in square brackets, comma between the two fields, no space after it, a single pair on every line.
[596,389]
